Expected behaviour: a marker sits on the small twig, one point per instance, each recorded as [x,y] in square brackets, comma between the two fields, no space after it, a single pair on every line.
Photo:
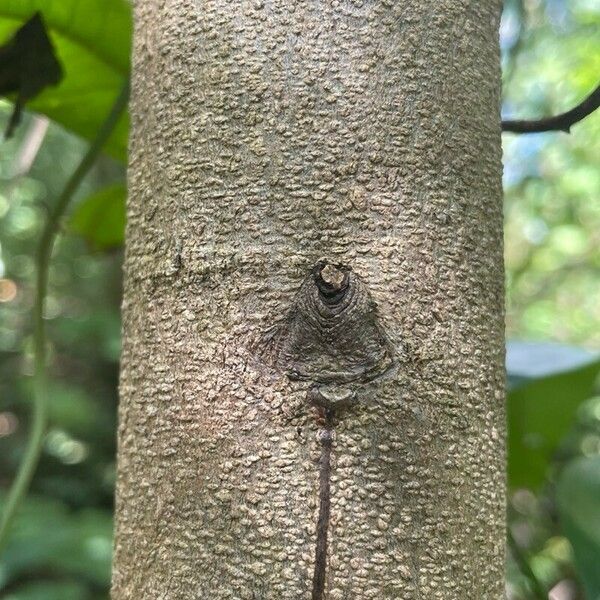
[562,122]
[329,404]
[320,570]
[40,391]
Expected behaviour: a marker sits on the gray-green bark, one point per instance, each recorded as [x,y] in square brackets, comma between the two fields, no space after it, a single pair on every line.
[266,135]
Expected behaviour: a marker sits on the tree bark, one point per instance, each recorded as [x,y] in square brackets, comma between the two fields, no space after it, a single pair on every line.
[266,135]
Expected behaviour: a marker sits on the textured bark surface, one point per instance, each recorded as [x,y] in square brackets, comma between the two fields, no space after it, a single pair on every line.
[266,135]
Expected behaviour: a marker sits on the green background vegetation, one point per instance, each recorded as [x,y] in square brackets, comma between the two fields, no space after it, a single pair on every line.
[60,545]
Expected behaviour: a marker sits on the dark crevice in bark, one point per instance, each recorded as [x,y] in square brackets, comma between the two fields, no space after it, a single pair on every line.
[320,572]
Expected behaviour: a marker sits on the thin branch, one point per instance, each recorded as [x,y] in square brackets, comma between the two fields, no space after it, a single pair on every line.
[562,122]
[40,385]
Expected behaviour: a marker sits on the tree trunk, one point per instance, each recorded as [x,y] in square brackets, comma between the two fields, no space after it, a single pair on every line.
[265,136]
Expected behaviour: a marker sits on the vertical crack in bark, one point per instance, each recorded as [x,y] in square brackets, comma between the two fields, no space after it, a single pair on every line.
[320,572]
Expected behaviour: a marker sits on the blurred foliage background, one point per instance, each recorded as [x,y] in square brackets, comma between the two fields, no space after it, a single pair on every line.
[60,545]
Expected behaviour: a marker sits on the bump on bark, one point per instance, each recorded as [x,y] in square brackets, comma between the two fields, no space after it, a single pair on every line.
[331,332]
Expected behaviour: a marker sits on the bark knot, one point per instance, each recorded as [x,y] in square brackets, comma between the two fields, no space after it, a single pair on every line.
[331,332]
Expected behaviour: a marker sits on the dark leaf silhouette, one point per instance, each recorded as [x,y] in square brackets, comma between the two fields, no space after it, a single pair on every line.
[28,64]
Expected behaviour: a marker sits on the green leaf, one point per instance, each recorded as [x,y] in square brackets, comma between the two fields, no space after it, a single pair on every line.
[92,41]
[578,496]
[530,361]
[48,590]
[47,536]
[100,218]
[550,381]
[72,408]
